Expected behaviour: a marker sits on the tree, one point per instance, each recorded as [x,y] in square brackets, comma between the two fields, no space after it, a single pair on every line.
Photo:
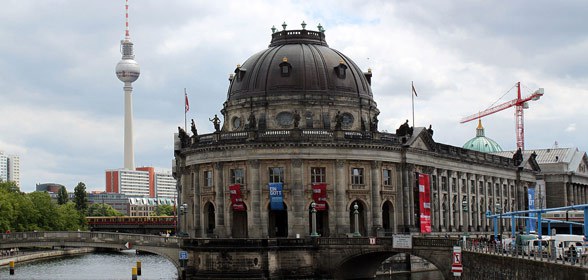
[164,210]
[70,217]
[62,197]
[46,217]
[101,210]
[81,197]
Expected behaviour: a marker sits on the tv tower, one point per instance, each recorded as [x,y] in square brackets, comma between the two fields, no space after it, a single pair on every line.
[128,71]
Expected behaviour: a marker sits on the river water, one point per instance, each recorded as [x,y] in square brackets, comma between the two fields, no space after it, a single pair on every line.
[114,266]
[94,266]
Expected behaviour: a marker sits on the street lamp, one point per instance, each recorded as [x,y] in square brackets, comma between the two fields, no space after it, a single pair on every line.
[183,210]
[313,211]
[499,210]
[356,214]
[466,222]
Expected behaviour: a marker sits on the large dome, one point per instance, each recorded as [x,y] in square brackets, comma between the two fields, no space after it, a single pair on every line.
[298,76]
[482,143]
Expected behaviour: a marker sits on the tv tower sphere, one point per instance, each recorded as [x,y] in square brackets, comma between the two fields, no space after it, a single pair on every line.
[127,69]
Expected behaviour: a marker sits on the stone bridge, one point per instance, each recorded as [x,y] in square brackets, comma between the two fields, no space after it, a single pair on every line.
[319,258]
[166,247]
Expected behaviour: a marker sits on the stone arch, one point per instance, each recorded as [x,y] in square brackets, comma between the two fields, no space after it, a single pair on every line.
[277,220]
[364,265]
[209,218]
[239,222]
[362,216]
[388,217]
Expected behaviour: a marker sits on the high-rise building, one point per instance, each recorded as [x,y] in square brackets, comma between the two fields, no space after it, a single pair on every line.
[143,181]
[10,168]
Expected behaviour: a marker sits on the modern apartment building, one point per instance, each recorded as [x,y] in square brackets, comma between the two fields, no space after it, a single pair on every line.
[10,168]
[143,181]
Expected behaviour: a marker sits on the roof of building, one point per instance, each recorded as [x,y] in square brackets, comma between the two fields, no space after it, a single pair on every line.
[481,143]
[299,61]
[552,159]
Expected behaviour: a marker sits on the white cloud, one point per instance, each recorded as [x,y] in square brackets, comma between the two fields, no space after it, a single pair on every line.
[64,106]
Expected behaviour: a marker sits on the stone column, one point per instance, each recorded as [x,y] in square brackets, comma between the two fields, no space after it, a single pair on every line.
[300,223]
[197,228]
[219,200]
[341,215]
[376,196]
[256,207]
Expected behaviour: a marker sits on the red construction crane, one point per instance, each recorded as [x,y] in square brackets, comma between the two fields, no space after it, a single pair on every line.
[520,104]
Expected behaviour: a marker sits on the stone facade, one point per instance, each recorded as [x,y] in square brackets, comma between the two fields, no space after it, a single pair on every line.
[313,120]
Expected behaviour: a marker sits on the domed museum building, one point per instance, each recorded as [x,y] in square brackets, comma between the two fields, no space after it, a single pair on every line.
[298,133]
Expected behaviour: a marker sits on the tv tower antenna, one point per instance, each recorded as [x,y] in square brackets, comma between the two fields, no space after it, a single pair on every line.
[128,71]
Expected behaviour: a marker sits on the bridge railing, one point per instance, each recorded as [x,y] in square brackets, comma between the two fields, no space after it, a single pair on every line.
[491,248]
[85,236]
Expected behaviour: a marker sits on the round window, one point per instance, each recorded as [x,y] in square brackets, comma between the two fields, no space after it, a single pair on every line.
[236,122]
[347,120]
[284,118]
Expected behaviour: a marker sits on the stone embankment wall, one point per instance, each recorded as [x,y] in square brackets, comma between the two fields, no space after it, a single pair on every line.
[495,267]
[33,256]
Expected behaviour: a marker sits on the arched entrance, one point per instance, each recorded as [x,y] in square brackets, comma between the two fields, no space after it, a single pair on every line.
[278,222]
[322,220]
[209,219]
[388,222]
[361,209]
[239,227]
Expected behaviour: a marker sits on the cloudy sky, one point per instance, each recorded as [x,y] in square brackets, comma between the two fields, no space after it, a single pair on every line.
[61,105]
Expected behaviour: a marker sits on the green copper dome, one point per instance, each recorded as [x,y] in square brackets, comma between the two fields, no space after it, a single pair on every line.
[482,143]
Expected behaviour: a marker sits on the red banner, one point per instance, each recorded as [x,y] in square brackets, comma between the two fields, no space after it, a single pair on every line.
[425,203]
[236,199]
[319,195]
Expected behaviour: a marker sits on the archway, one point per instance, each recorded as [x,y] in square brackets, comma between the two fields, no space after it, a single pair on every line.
[361,217]
[278,222]
[209,219]
[366,265]
[388,222]
[239,227]
[322,220]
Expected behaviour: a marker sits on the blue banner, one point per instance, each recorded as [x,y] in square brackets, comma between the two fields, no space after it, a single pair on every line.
[276,197]
[531,198]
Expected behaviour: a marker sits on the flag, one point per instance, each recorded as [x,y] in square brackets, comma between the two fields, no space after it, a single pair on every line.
[187,103]
[414,91]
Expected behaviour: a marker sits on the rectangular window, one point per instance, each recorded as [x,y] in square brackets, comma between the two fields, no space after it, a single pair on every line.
[444,183]
[208,178]
[357,176]
[481,188]
[237,176]
[472,186]
[497,189]
[489,187]
[318,175]
[276,175]
[434,182]
[453,185]
[387,176]
[464,187]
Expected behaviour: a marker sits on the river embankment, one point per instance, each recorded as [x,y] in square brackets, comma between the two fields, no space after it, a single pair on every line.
[26,256]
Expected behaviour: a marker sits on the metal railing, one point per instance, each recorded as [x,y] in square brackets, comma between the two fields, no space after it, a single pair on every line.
[521,252]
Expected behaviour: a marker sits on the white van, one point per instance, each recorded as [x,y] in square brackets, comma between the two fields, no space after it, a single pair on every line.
[562,244]
[531,247]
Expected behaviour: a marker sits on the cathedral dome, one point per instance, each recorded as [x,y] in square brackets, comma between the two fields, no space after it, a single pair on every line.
[482,143]
[298,75]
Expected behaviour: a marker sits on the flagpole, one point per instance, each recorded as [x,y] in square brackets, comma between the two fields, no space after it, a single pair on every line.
[412,95]
[185,111]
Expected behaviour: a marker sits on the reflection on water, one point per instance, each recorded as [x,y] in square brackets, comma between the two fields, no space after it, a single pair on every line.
[98,266]
[428,275]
